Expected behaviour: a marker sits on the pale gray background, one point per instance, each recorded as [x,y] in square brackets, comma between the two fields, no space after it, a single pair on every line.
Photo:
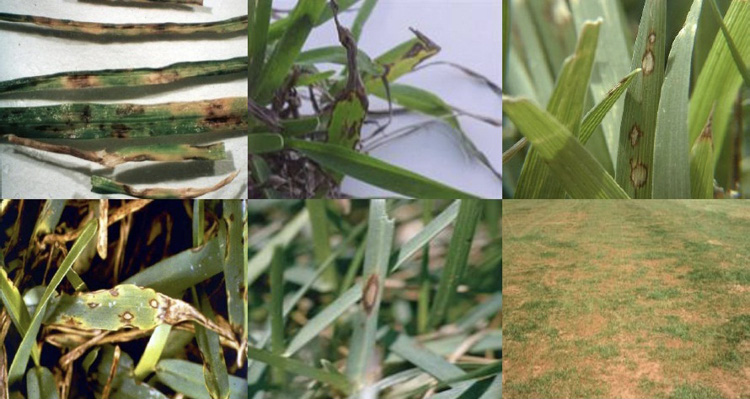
[28,173]
[470,33]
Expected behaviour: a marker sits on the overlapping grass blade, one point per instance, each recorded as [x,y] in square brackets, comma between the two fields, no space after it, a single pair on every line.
[365,10]
[321,237]
[596,115]
[187,378]
[16,308]
[90,121]
[581,175]
[18,366]
[154,152]
[741,65]
[565,104]
[406,348]
[49,217]
[374,171]
[336,380]
[716,88]
[275,70]
[261,143]
[277,310]
[232,25]
[110,78]
[456,259]
[635,169]
[261,260]
[611,63]
[671,173]
[362,344]
[337,55]
[214,369]
[106,185]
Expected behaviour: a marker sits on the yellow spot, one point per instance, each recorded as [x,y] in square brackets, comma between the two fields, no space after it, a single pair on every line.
[648,63]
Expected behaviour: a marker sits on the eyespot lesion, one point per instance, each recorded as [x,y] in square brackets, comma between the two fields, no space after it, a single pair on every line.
[114,292]
[126,318]
[154,303]
[93,305]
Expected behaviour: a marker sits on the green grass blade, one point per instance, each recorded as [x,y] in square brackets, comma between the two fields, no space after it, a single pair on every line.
[730,42]
[16,308]
[153,351]
[634,170]
[276,311]
[258,37]
[611,63]
[337,55]
[321,237]
[362,344]
[671,171]
[506,33]
[280,26]
[110,78]
[456,259]
[716,88]
[40,384]
[18,366]
[374,171]
[581,175]
[237,24]
[702,164]
[365,10]
[90,121]
[234,263]
[566,104]
[179,272]
[262,260]
[187,378]
[262,143]
[214,369]
[336,380]
[595,117]
[302,20]
[433,364]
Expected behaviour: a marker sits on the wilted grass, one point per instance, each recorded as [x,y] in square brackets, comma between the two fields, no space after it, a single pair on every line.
[395,326]
[626,324]
[138,306]
[676,133]
[293,155]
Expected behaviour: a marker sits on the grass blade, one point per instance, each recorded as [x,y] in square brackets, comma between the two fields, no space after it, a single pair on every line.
[634,170]
[362,344]
[671,176]
[18,366]
[90,121]
[581,175]
[716,88]
[365,10]
[730,42]
[234,263]
[40,384]
[16,308]
[374,171]
[321,237]
[261,143]
[277,310]
[457,258]
[595,117]
[187,378]
[105,185]
[214,369]
[110,159]
[302,20]
[261,260]
[702,164]
[153,350]
[260,12]
[336,380]
[566,104]
[237,24]
[109,78]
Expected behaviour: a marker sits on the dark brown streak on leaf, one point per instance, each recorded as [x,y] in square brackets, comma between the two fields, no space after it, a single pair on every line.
[264,115]
[112,372]
[370,293]
[354,83]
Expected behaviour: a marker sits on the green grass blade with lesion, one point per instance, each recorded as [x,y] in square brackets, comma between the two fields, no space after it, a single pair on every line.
[91,121]
[187,378]
[362,345]
[702,164]
[581,175]
[671,171]
[155,152]
[110,78]
[634,170]
[715,91]
[566,104]
[232,25]
[107,185]
[234,263]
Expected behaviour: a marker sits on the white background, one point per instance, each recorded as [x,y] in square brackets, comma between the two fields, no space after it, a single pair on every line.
[30,173]
[470,33]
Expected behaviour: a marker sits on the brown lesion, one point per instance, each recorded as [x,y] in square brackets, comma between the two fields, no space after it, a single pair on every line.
[162,77]
[81,81]
[370,293]
[154,303]
[635,134]
[126,318]
[93,305]
[638,173]
[114,292]
[130,110]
